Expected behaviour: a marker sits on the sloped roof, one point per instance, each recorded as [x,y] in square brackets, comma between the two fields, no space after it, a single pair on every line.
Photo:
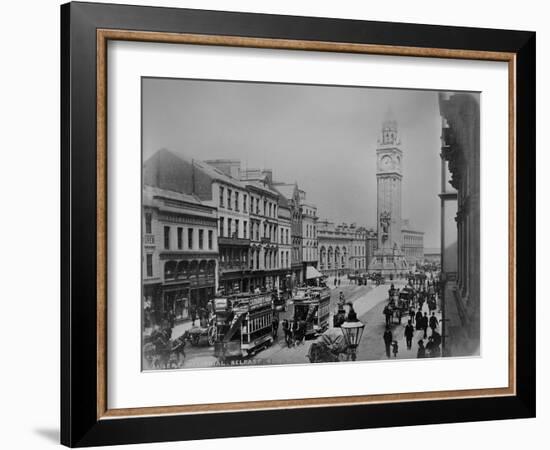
[259,185]
[286,189]
[217,174]
[172,172]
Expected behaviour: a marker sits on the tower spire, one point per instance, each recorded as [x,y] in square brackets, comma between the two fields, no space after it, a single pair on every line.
[390,134]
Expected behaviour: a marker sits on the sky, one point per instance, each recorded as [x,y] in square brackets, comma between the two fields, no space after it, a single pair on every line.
[323,137]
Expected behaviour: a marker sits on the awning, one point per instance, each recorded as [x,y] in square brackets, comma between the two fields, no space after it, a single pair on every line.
[312,272]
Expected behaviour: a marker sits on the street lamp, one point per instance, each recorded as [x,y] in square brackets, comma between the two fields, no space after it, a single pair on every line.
[353,331]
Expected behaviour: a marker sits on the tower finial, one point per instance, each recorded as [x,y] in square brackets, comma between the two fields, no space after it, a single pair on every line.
[389,129]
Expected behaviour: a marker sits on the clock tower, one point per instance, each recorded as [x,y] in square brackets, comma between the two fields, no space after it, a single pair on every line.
[389,258]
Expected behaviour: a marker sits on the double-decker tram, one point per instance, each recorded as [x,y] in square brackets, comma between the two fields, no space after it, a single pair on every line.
[244,324]
[312,306]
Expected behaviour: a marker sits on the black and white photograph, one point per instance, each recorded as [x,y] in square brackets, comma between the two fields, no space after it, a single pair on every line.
[297,224]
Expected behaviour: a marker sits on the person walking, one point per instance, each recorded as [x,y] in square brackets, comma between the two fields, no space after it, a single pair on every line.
[394,348]
[419,320]
[287,330]
[193,313]
[387,312]
[409,333]
[411,314]
[421,353]
[433,323]
[425,325]
[388,338]
[275,326]
[430,347]
[351,315]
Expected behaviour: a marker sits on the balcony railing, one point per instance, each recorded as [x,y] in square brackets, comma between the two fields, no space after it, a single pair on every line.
[149,239]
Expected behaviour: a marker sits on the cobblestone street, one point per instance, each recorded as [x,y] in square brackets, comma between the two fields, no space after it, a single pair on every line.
[368,302]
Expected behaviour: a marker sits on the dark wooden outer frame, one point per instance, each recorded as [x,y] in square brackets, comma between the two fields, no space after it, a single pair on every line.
[86,27]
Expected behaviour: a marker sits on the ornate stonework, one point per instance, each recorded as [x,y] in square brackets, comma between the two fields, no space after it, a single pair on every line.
[389,258]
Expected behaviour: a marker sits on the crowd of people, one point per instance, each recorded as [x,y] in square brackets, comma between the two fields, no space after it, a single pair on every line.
[419,292]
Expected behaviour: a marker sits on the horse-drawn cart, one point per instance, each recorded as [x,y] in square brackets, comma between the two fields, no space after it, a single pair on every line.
[329,347]
[203,333]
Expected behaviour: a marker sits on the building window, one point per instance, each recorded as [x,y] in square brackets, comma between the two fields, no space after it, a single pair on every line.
[167,238]
[221,232]
[221,196]
[149,264]
[229,195]
[237,228]
[148,223]
[229,230]
[245,231]
[236,201]
[201,239]
[190,239]
[210,239]
[245,202]
[180,238]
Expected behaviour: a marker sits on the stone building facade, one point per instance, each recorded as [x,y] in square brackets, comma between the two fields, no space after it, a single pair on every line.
[310,255]
[412,244]
[342,248]
[460,236]
[179,254]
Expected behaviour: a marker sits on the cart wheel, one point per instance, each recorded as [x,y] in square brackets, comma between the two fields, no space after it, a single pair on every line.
[211,336]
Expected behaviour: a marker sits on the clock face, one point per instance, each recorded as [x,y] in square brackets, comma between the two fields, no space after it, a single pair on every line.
[386,162]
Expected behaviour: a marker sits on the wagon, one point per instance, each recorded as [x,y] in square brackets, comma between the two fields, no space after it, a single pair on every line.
[198,333]
[328,347]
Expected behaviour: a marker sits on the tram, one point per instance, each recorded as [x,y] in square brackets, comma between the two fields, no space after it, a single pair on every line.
[244,324]
[312,306]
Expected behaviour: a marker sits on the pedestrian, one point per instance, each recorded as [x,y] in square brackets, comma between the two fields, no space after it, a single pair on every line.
[341,299]
[275,325]
[193,312]
[287,330]
[388,338]
[301,331]
[394,348]
[419,320]
[433,322]
[409,333]
[387,312]
[421,353]
[352,315]
[411,314]
[425,325]
[430,347]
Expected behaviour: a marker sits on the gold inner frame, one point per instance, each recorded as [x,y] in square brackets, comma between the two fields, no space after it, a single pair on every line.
[103,36]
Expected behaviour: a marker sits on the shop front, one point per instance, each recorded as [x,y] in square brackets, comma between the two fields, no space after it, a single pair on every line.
[188,287]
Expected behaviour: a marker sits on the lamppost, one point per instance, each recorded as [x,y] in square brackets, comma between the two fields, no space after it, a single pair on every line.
[353,331]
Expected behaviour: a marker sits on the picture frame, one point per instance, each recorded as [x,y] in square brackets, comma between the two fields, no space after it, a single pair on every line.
[86,419]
